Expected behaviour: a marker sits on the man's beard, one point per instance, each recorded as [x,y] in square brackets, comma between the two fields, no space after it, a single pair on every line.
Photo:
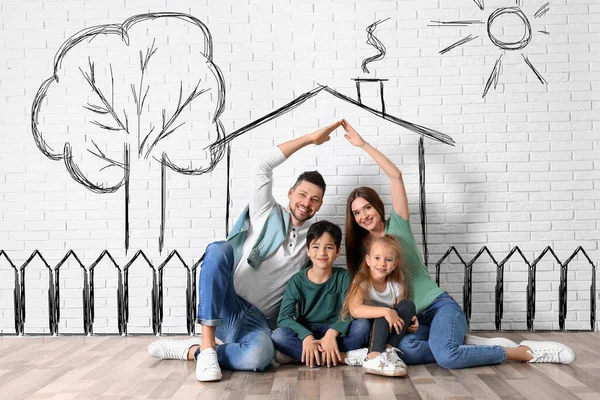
[299,219]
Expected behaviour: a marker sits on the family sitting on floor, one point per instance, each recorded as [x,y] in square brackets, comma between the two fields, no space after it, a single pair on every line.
[383,312]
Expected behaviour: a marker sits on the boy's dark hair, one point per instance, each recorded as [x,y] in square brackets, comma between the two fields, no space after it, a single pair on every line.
[313,177]
[317,230]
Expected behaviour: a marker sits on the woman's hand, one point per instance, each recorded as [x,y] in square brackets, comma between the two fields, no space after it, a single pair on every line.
[310,351]
[414,325]
[328,346]
[351,135]
[394,321]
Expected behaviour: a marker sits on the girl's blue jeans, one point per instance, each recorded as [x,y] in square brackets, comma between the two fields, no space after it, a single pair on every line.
[440,339]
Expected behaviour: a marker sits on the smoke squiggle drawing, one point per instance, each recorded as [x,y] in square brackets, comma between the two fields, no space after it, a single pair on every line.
[373,41]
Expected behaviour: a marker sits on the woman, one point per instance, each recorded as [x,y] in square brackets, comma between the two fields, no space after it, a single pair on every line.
[443,326]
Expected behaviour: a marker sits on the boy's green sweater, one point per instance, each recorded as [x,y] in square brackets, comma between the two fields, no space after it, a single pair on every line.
[308,305]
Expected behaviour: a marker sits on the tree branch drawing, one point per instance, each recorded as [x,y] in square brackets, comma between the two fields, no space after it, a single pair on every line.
[97,152]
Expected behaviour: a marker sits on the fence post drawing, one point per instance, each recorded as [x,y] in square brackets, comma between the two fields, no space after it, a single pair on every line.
[51,293]
[157,292]
[119,294]
[18,309]
[153,293]
[85,293]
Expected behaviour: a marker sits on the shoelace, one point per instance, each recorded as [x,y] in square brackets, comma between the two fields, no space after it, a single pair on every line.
[171,352]
[211,361]
[387,359]
[549,356]
[393,355]
[356,358]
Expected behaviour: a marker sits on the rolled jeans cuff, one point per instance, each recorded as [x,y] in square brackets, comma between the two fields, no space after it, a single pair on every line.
[504,357]
[210,322]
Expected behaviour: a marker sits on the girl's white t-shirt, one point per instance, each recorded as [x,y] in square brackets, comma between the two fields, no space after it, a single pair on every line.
[387,298]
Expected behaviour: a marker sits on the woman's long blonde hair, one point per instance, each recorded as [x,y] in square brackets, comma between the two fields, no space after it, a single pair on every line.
[363,275]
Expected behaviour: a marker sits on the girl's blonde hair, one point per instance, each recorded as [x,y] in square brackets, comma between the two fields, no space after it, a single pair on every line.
[362,280]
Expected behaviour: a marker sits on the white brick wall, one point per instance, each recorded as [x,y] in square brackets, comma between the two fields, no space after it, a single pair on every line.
[524,171]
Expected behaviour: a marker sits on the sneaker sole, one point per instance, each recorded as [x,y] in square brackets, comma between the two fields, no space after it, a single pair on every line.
[209,379]
[479,341]
[385,373]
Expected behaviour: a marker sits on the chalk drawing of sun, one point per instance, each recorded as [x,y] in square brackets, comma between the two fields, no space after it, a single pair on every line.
[498,35]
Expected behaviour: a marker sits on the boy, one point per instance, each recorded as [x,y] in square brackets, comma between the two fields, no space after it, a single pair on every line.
[309,326]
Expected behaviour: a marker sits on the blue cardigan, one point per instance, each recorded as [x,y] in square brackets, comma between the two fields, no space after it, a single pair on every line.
[272,236]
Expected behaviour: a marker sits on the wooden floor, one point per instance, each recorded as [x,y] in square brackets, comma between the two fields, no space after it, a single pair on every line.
[119,368]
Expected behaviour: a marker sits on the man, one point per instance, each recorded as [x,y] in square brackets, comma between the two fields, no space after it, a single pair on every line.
[242,280]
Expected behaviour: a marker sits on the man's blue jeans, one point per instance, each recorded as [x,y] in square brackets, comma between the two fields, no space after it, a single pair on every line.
[440,338]
[288,342]
[244,330]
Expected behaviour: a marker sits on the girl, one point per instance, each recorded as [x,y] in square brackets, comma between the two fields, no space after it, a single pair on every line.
[443,326]
[379,291]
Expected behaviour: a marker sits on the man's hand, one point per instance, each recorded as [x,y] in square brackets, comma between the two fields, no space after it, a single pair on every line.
[414,325]
[351,135]
[322,135]
[328,346]
[310,351]
[395,322]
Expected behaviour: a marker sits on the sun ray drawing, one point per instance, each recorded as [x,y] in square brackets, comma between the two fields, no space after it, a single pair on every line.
[500,35]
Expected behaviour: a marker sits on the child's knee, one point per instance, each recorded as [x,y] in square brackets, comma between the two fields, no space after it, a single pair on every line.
[406,308]
[361,326]
[281,335]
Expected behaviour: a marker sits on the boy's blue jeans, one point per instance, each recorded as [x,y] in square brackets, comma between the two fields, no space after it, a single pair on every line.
[288,342]
[244,330]
[440,339]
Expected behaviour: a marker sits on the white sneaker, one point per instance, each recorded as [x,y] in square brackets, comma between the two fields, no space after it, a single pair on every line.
[207,366]
[356,357]
[395,358]
[549,352]
[483,341]
[382,365]
[171,349]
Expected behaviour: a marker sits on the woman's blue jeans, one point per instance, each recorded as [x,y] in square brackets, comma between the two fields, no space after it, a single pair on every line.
[288,342]
[440,339]
[244,330]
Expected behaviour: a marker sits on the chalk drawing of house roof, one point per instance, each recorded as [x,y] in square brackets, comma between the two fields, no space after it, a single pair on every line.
[421,130]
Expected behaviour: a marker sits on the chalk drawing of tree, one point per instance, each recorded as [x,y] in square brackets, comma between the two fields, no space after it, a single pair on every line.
[149,84]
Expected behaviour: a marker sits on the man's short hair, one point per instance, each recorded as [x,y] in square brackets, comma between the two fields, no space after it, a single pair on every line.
[317,230]
[313,177]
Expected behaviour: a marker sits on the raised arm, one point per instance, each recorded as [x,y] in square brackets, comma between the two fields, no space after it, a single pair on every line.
[262,199]
[399,199]
[317,137]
